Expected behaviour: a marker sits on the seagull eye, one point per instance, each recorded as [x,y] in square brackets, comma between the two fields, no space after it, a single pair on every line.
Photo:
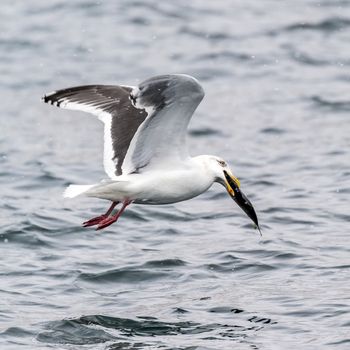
[222,163]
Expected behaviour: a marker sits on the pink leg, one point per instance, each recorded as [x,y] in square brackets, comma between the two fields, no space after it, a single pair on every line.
[98,219]
[110,220]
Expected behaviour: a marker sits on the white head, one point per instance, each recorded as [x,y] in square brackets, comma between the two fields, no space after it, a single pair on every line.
[222,174]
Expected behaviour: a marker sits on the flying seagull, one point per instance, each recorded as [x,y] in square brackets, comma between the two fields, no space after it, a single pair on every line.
[145,152]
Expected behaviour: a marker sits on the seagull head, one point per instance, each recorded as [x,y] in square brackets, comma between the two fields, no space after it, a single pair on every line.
[224,176]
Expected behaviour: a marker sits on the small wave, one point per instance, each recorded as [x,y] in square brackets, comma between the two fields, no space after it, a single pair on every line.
[73,332]
[327,25]
[149,271]
[225,55]
[225,309]
[273,131]
[16,332]
[27,234]
[18,44]
[205,132]
[264,183]
[212,36]
[159,9]
[166,263]
[180,310]
[309,60]
[336,106]
[123,275]
[96,329]
[240,265]
[343,341]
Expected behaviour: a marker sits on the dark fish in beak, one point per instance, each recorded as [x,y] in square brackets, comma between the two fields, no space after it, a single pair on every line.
[232,186]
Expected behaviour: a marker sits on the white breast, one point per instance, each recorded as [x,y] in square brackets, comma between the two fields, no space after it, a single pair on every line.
[170,183]
[169,187]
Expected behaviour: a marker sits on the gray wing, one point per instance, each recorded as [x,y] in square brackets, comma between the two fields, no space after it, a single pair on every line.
[113,107]
[169,101]
[144,126]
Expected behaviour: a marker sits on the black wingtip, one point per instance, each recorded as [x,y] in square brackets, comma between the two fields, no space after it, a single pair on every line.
[50,99]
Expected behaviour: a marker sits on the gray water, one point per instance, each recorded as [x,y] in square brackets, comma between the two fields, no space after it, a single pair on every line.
[194,275]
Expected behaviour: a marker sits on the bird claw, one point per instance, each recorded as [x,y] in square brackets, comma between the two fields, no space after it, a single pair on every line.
[106,222]
[94,221]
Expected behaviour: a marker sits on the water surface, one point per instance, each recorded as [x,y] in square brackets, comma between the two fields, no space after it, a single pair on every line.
[193,275]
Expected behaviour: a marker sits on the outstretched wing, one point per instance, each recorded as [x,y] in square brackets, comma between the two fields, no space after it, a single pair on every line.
[113,107]
[142,124]
[170,101]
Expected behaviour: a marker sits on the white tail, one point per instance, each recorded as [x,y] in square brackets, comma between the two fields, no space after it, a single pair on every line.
[76,190]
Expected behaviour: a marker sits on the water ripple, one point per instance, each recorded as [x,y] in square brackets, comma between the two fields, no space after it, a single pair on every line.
[328,25]
[193,275]
[125,275]
[335,106]
[95,329]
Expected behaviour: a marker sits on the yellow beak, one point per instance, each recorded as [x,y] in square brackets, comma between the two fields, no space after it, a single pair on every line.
[232,179]
[233,188]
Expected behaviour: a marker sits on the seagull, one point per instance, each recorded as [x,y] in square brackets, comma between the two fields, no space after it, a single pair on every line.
[145,152]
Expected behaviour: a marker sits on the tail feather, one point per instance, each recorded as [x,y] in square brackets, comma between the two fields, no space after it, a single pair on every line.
[76,190]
